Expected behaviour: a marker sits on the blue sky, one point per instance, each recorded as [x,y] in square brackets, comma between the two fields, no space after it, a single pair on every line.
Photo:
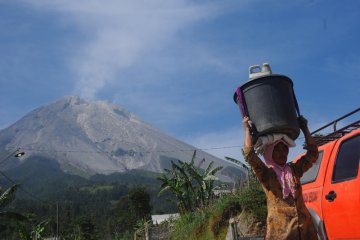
[176,64]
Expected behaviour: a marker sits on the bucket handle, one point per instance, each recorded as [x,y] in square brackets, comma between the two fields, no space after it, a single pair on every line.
[296,103]
[252,68]
[241,102]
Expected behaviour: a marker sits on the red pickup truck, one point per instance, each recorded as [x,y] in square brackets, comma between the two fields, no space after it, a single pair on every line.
[331,187]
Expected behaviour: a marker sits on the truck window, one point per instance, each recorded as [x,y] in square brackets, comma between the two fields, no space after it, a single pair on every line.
[347,161]
[311,174]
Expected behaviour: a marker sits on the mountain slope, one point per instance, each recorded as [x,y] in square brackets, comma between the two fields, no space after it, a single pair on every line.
[88,138]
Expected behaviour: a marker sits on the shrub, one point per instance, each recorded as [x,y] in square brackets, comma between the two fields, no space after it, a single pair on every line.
[213,222]
[253,200]
[210,223]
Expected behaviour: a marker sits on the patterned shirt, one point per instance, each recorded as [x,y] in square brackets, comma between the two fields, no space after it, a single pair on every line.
[287,218]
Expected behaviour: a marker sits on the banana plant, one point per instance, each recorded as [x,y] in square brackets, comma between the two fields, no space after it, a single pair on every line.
[192,186]
[173,184]
[35,234]
[5,199]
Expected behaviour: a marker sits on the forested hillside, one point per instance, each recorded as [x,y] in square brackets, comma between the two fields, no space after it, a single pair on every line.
[98,205]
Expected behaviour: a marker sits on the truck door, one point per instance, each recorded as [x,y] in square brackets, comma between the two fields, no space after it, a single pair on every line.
[341,195]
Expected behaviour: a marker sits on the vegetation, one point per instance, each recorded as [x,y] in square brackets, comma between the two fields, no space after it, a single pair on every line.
[25,227]
[192,187]
[29,231]
[114,206]
[203,217]
[134,210]
[6,216]
[96,207]
[79,220]
[213,222]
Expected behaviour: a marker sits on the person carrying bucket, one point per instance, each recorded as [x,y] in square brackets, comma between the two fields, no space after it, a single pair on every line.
[288,217]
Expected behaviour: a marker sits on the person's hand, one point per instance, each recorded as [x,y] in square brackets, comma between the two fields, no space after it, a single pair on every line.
[246,123]
[302,122]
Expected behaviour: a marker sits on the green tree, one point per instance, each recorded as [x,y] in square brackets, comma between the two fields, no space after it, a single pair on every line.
[205,182]
[192,186]
[139,201]
[131,210]
[87,228]
[173,185]
[26,227]
[6,216]
[125,219]
[35,233]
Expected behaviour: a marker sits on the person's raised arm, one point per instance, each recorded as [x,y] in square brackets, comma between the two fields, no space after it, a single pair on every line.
[247,141]
[255,162]
[310,144]
[312,153]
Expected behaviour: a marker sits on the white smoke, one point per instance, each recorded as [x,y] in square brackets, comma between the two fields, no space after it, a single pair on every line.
[119,33]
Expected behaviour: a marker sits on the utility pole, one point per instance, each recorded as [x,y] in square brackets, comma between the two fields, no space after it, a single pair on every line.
[146,230]
[57,220]
[17,153]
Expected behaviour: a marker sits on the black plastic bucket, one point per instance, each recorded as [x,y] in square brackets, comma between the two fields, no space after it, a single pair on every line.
[270,103]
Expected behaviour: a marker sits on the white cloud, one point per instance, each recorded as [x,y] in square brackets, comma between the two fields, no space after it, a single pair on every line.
[119,33]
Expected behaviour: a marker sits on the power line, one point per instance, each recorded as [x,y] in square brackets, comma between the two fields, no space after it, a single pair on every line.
[17,153]
[37,199]
[21,188]
[134,151]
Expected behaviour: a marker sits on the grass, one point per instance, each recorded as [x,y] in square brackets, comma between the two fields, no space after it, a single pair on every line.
[210,223]
[253,200]
[213,223]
